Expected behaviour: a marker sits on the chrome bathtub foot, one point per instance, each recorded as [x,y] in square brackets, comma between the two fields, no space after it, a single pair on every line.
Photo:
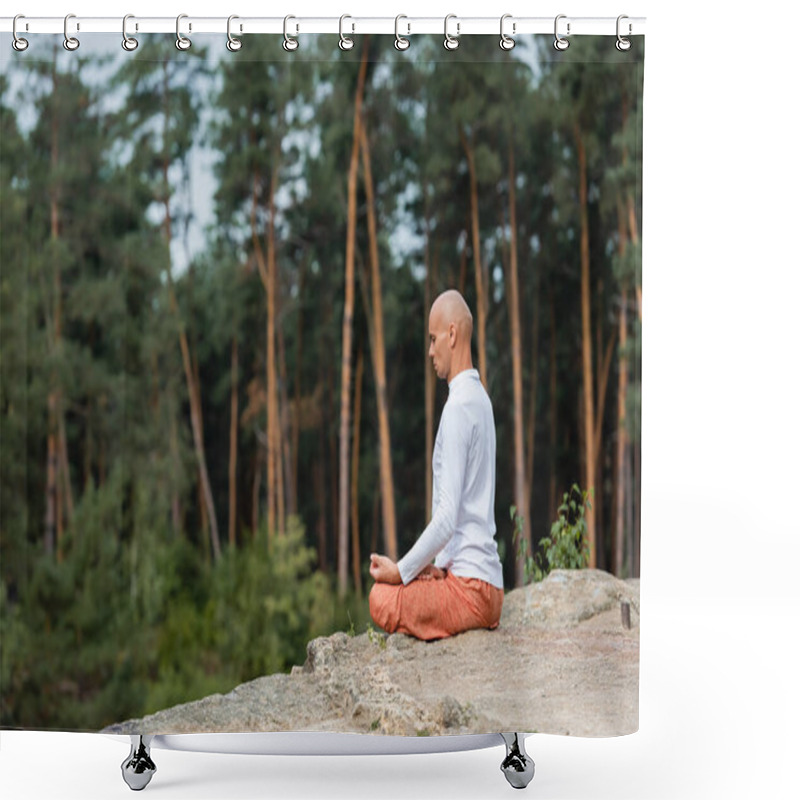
[138,768]
[518,766]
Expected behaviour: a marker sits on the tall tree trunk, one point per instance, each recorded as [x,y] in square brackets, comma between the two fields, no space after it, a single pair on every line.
[379,360]
[628,558]
[195,409]
[52,470]
[347,335]
[89,434]
[599,495]
[267,272]
[622,438]
[256,493]
[586,349]
[635,468]
[354,474]
[622,390]
[604,370]
[274,426]
[431,286]
[64,462]
[234,439]
[376,507]
[263,272]
[534,390]
[637,445]
[298,382]
[286,433]
[175,502]
[329,483]
[59,504]
[520,484]
[326,444]
[159,407]
[56,346]
[196,378]
[553,495]
[476,247]
[634,232]
[320,493]
[51,467]
[332,475]
[203,518]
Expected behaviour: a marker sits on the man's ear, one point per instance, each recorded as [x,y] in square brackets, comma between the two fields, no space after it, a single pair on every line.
[452,334]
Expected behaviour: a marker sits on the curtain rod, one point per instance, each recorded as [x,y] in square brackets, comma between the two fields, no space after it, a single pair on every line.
[348,25]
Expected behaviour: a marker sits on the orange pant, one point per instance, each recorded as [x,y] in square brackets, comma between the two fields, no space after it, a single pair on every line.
[434,608]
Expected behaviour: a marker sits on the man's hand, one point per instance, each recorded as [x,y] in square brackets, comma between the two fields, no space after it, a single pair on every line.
[383,569]
[431,572]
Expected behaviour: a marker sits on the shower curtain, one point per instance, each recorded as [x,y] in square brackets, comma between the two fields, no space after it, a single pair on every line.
[218,400]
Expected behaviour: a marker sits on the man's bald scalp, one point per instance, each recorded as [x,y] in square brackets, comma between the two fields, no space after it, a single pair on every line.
[453,308]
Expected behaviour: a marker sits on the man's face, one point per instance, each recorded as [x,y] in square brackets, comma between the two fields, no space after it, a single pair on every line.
[439,348]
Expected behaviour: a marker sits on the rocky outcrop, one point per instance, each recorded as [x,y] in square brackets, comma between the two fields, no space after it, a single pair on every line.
[561,662]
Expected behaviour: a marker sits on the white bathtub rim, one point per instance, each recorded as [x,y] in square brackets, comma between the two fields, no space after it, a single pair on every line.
[318,743]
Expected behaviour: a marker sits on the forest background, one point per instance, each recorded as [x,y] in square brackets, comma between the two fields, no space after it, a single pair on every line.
[205,431]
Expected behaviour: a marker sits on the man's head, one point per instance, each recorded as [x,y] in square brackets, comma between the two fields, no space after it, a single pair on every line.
[450,332]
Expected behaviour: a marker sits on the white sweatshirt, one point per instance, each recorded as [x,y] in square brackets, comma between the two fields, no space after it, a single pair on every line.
[462,528]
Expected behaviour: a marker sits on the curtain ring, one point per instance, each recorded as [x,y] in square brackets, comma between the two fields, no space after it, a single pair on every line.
[233,44]
[70,42]
[128,43]
[345,42]
[560,43]
[400,42]
[622,44]
[506,42]
[451,42]
[19,44]
[290,43]
[181,42]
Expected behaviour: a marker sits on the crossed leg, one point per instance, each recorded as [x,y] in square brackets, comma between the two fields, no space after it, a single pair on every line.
[431,608]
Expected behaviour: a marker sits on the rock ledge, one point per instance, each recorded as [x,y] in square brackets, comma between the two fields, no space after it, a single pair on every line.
[560,662]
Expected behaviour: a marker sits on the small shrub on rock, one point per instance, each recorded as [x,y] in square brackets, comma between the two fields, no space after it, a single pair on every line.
[566,547]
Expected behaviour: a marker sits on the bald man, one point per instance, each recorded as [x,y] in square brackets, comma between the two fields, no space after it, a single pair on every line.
[463,589]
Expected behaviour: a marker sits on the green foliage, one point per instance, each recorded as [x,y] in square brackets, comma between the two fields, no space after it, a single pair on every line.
[379,640]
[124,627]
[74,647]
[566,547]
[263,604]
[281,602]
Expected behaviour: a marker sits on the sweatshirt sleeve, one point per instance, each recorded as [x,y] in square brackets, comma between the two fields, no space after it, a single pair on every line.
[456,437]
